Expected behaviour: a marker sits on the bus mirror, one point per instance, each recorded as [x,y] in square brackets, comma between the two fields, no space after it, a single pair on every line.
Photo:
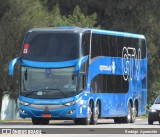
[79,64]
[11,65]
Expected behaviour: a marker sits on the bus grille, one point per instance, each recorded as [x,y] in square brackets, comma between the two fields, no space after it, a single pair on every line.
[50,107]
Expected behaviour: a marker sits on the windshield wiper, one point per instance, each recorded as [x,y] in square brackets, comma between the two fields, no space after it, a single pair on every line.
[31,93]
[42,90]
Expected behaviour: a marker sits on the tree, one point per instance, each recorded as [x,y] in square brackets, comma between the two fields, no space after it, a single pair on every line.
[76,19]
[12,29]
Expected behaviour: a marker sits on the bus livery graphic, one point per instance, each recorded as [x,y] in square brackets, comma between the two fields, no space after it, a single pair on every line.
[128,62]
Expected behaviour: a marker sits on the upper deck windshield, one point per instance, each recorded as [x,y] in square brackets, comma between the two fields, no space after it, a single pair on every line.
[51,46]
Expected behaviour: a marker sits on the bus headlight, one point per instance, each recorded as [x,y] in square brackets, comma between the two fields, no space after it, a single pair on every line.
[73,102]
[23,103]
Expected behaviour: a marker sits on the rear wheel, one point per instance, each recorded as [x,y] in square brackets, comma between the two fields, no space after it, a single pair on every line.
[118,120]
[127,119]
[133,114]
[95,115]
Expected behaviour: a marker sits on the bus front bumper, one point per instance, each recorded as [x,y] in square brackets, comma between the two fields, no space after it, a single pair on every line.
[66,112]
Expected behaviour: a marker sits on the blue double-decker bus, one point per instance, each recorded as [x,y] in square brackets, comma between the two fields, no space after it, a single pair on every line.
[82,74]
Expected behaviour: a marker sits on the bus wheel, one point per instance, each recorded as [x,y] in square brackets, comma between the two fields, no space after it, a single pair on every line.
[118,120]
[127,119]
[95,115]
[87,120]
[133,114]
[45,121]
[78,121]
[36,121]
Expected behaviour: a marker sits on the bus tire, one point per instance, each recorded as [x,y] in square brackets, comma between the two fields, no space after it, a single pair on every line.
[133,114]
[95,115]
[36,121]
[127,119]
[87,120]
[118,120]
[45,121]
[78,121]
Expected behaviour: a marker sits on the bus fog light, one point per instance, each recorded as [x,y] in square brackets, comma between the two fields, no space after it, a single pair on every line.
[23,111]
[71,112]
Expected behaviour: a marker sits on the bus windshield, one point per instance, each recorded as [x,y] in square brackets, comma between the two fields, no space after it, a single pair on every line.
[48,83]
[51,46]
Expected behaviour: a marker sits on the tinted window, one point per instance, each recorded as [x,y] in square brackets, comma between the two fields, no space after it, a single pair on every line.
[142,46]
[96,45]
[109,84]
[120,46]
[135,47]
[105,45]
[114,46]
[47,46]
[86,43]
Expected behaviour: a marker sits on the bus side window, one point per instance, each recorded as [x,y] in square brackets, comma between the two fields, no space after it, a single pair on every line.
[128,43]
[96,46]
[142,47]
[96,85]
[112,44]
[105,45]
[120,46]
[86,43]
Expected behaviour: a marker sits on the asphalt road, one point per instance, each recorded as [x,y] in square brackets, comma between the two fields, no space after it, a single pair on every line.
[105,127]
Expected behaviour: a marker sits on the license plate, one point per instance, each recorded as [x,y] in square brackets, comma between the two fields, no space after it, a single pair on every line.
[46,115]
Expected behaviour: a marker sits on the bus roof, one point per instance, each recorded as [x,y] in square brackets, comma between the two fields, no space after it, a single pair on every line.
[81,30]
[117,33]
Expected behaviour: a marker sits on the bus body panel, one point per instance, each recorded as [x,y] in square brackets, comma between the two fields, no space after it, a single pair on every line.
[58,108]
